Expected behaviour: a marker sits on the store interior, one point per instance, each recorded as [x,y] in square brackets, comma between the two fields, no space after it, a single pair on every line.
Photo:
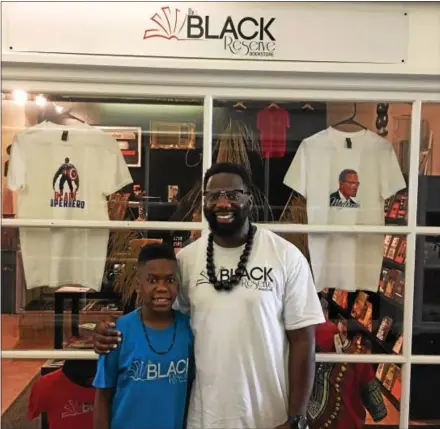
[162,143]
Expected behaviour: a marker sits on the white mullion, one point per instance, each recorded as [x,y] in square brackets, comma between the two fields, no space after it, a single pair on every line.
[208,115]
[89,354]
[408,307]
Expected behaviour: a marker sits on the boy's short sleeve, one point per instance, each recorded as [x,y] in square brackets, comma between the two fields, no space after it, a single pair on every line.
[107,371]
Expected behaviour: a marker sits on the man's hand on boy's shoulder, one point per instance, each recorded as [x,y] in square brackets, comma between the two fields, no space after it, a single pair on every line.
[106,336]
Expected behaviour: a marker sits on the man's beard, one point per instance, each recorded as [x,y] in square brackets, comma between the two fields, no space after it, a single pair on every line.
[226,229]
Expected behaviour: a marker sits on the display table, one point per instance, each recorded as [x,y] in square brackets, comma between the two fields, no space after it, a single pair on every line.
[75,294]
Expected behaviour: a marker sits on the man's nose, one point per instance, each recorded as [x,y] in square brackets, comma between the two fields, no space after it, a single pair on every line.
[223,202]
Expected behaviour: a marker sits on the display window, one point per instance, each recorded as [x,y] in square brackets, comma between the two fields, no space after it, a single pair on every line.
[335,178]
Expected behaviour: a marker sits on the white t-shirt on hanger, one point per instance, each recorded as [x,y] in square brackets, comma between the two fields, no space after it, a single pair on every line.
[68,179]
[370,174]
[240,342]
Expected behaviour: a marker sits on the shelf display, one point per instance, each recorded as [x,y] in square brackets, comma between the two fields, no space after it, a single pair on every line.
[345,178]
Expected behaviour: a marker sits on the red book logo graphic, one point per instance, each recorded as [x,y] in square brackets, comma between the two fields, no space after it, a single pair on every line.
[168,23]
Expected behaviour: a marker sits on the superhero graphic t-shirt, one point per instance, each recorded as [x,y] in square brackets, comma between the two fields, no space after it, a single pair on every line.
[345,186]
[68,405]
[65,178]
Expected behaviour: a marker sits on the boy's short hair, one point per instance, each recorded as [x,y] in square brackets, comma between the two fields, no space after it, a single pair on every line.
[150,252]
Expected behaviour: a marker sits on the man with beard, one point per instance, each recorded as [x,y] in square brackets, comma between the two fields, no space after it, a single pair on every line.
[253,308]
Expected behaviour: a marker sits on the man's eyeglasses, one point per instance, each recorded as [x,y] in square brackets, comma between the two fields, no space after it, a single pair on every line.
[233,195]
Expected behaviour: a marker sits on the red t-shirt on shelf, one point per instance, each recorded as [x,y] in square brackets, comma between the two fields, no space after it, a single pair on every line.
[68,405]
[273,123]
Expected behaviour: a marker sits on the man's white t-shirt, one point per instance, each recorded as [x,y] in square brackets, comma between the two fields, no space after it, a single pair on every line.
[65,180]
[241,347]
[345,261]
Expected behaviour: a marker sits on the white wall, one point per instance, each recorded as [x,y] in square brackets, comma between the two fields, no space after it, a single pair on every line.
[92,28]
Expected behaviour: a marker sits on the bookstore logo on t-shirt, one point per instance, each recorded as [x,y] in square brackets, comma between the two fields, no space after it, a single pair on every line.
[175,371]
[65,184]
[345,196]
[256,278]
[75,408]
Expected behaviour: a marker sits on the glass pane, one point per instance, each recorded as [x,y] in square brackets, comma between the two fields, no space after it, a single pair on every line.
[42,394]
[371,321]
[65,316]
[155,136]
[317,162]
[354,395]
[429,171]
[424,410]
[426,333]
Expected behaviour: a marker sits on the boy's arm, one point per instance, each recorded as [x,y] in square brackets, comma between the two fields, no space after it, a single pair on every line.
[102,408]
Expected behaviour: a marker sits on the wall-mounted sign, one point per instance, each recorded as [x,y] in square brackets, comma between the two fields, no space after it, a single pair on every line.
[285,31]
[130,140]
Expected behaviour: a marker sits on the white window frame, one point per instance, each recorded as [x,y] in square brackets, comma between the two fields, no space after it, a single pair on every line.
[29,74]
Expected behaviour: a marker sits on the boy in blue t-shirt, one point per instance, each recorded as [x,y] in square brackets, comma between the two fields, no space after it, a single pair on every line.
[144,382]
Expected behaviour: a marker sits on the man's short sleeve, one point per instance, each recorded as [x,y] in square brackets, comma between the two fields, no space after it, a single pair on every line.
[301,303]
[16,179]
[182,301]
[296,177]
[116,174]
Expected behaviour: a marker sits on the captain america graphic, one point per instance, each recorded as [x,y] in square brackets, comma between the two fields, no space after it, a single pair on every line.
[69,175]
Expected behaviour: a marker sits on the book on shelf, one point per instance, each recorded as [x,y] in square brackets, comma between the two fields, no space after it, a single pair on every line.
[396,389]
[397,348]
[359,304]
[381,371]
[396,207]
[340,297]
[401,252]
[390,377]
[366,317]
[384,328]
[399,287]
[386,244]
[389,283]
[392,250]
[382,279]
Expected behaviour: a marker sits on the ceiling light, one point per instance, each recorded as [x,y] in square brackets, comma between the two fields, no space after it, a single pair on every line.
[40,100]
[19,96]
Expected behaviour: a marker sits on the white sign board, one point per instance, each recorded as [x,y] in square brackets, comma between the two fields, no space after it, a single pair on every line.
[266,31]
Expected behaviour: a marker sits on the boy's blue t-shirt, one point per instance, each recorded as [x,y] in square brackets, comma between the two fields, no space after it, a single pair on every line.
[150,388]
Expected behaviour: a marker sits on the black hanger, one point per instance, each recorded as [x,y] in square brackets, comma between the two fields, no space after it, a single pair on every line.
[68,115]
[350,120]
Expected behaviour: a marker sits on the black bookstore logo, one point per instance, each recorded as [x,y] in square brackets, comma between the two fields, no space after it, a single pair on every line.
[256,278]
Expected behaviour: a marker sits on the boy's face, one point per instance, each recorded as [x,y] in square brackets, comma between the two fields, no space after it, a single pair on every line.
[157,284]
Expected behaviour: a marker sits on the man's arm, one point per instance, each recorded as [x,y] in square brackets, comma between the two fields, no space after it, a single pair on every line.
[302,311]
[102,408]
[301,368]
[106,336]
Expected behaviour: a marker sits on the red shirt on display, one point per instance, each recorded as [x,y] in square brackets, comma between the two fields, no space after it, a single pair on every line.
[342,391]
[273,123]
[68,405]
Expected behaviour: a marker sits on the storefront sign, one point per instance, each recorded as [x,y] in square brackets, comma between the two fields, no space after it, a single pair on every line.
[129,139]
[290,31]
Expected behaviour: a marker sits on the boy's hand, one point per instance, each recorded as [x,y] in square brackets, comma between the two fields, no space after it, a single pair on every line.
[106,336]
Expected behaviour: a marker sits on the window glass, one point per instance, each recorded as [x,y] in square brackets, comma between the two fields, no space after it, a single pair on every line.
[36,393]
[369,321]
[426,332]
[317,162]
[424,409]
[429,167]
